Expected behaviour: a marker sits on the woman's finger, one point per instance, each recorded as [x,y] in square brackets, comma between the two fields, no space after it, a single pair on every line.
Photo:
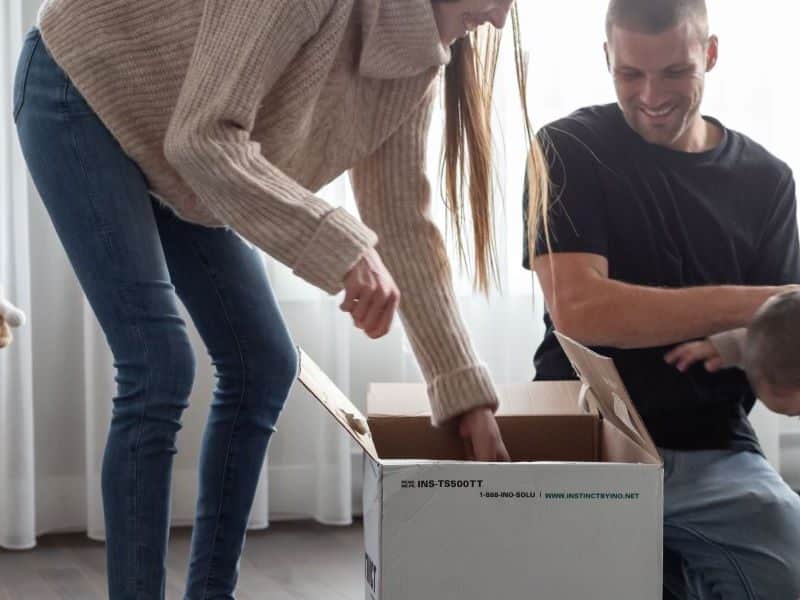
[350,298]
[376,311]
[469,450]
[502,454]
[365,304]
[384,323]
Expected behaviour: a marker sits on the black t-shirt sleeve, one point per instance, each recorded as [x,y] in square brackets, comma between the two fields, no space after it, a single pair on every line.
[778,253]
[577,215]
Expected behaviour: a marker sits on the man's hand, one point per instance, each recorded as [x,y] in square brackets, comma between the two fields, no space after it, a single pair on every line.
[482,440]
[371,295]
[685,355]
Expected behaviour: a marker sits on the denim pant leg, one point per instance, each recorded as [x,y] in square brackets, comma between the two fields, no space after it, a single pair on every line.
[128,252]
[735,523]
[98,201]
[223,284]
[674,577]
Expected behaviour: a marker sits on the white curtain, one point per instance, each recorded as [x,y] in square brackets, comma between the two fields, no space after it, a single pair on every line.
[17,473]
[56,380]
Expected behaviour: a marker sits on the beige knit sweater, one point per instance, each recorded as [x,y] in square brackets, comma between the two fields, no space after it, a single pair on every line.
[730,345]
[237,111]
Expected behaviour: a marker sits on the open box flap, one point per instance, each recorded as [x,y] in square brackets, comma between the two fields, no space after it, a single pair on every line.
[608,392]
[336,403]
[517,399]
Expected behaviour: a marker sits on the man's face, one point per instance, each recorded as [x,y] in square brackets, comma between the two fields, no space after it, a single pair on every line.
[659,79]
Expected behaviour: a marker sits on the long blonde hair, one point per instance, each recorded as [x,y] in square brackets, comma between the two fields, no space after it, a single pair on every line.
[467,153]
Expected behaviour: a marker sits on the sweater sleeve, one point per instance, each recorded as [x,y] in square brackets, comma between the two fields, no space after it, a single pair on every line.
[730,346]
[242,48]
[394,196]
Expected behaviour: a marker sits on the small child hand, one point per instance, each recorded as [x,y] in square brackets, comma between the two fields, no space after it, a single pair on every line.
[685,355]
[5,332]
[10,316]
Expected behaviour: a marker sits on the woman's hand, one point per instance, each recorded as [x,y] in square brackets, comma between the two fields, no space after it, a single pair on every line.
[685,355]
[482,440]
[371,295]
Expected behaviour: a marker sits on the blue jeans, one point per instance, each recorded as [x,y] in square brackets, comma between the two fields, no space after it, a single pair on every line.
[134,260]
[731,528]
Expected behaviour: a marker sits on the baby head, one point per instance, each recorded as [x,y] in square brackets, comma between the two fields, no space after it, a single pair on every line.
[772,353]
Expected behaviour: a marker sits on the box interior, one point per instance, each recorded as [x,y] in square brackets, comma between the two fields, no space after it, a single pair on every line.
[539,421]
[532,438]
[527,438]
[557,421]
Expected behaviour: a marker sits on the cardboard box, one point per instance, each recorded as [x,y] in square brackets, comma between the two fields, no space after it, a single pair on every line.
[577,514]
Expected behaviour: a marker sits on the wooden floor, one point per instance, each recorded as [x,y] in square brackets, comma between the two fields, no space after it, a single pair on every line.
[288,561]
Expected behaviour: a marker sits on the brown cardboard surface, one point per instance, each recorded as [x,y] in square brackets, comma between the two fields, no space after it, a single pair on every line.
[530,398]
[539,421]
[414,437]
[527,437]
[551,437]
[618,447]
[336,403]
[609,392]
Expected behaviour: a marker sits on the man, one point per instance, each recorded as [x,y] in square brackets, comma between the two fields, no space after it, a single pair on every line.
[666,226]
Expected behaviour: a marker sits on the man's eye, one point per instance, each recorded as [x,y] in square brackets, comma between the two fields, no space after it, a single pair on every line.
[678,72]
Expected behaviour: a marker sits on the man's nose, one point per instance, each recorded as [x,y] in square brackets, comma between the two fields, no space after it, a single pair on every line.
[652,94]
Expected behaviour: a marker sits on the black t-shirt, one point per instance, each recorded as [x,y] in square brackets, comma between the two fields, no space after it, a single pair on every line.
[670,219]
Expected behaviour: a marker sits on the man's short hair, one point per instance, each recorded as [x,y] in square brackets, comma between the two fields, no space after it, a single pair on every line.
[772,352]
[656,16]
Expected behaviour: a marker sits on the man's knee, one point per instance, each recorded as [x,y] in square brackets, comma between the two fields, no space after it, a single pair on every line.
[787,516]
[776,538]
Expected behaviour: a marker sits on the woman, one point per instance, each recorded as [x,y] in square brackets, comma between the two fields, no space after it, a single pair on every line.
[159,134]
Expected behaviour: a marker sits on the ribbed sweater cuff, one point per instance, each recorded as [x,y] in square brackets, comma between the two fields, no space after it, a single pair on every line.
[730,346]
[335,247]
[460,391]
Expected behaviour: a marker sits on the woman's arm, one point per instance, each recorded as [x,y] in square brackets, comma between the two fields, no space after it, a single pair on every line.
[394,196]
[242,48]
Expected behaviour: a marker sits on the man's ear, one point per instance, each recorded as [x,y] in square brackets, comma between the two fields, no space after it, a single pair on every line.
[712,53]
[608,56]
